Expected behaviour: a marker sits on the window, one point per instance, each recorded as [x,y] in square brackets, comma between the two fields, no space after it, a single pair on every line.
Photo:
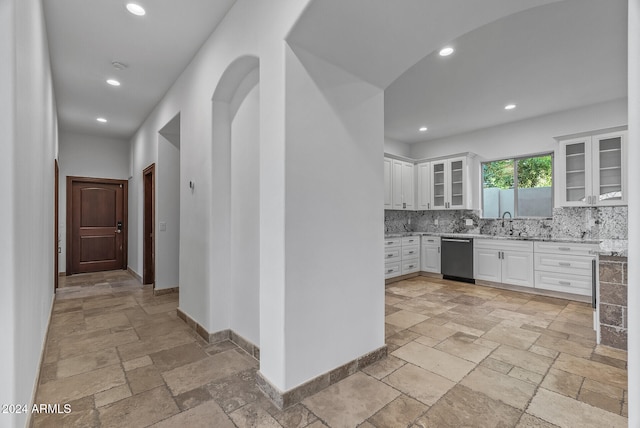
[522,187]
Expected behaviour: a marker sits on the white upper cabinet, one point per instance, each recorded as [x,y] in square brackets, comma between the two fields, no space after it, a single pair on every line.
[449,184]
[388,189]
[399,177]
[592,170]
[424,186]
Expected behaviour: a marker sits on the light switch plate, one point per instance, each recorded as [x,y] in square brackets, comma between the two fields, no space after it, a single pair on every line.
[163,226]
[468,222]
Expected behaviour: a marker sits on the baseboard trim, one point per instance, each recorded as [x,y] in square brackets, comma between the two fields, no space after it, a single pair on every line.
[164,291]
[134,273]
[41,362]
[286,399]
[219,336]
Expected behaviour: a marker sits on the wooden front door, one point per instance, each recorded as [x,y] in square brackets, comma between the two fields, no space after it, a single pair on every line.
[96,213]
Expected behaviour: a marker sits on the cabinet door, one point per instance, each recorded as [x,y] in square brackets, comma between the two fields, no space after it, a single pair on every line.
[408,186]
[517,268]
[609,172]
[456,176]
[575,172]
[388,189]
[396,184]
[438,185]
[424,186]
[430,258]
[487,265]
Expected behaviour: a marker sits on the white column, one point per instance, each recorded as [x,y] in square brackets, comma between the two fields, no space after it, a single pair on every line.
[634,213]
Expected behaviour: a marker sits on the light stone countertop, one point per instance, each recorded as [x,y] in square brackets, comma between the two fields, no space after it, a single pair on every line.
[607,247]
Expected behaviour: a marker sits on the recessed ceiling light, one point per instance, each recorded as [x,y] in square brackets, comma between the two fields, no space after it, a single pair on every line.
[446,51]
[509,106]
[423,129]
[136,9]
[113,82]
[101,120]
[119,65]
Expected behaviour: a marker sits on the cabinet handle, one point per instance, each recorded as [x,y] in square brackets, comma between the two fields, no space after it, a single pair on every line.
[389,270]
[438,250]
[428,205]
[411,252]
[389,242]
[564,264]
[498,254]
[389,255]
[564,283]
[564,248]
[411,266]
[588,200]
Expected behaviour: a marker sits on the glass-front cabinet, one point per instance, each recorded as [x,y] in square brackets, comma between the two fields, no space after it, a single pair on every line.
[448,181]
[592,170]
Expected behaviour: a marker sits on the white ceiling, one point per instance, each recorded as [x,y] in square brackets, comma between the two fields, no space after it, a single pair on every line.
[85,37]
[544,55]
[546,59]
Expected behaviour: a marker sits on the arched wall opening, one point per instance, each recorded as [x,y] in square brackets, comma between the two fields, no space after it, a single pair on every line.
[235,267]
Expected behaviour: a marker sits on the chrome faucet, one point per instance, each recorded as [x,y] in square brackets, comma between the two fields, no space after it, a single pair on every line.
[505,213]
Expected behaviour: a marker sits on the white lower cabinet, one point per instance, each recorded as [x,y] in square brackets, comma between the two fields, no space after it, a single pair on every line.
[410,255]
[430,254]
[401,256]
[565,267]
[507,262]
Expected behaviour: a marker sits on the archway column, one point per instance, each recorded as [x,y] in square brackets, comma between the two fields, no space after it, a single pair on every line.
[322,288]
[634,212]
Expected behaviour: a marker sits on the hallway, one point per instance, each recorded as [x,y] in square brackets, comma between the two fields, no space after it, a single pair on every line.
[458,355]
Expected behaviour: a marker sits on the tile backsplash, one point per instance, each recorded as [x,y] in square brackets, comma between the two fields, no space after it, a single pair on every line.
[567,222]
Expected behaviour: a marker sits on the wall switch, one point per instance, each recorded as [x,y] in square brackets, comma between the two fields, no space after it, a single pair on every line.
[468,222]
[409,220]
[435,222]
[592,222]
[163,226]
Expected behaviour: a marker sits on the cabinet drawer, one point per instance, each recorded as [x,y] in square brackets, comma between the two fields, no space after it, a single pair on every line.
[392,242]
[392,254]
[391,269]
[410,266]
[431,241]
[565,248]
[503,244]
[569,264]
[574,284]
[410,240]
[410,252]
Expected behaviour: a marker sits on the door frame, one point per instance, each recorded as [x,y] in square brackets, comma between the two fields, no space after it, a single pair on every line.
[125,243]
[149,222]
[56,243]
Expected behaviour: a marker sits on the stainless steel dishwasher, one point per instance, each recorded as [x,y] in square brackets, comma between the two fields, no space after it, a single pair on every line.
[457,259]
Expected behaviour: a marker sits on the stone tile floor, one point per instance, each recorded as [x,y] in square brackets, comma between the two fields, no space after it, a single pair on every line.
[459,355]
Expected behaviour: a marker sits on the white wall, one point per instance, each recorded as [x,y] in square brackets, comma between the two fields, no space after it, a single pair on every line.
[334,199]
[245,218]
[526,136]
[84,155]
[167,270]
[397,148]
[29,128]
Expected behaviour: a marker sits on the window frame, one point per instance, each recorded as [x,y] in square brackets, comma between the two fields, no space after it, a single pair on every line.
[515,160]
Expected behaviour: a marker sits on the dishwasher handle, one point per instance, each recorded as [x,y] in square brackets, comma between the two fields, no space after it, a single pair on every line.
[456,240]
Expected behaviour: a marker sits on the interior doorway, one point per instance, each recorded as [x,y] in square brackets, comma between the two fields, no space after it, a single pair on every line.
[96,224]
[149,267]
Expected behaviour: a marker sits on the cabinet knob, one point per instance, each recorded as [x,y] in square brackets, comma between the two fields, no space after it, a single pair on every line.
[564,283]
